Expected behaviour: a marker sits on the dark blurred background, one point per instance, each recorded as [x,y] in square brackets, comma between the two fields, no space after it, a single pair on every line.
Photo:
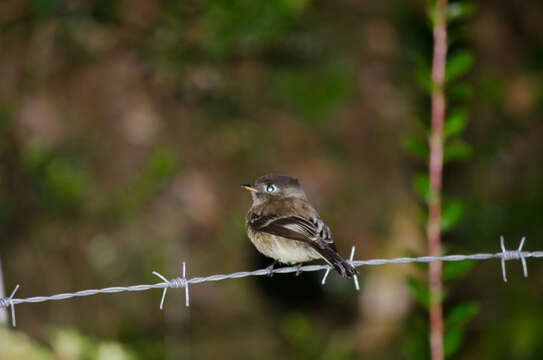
[126,128]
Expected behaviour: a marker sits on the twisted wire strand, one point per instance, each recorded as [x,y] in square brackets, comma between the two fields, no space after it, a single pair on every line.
[183,282]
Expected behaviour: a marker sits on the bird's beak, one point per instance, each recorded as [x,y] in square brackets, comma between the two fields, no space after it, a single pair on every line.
[249,187]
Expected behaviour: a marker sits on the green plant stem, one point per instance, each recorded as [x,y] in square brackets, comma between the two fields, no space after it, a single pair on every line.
[435,169]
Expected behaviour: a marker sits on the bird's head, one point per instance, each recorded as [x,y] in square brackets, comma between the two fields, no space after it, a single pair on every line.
[273,186]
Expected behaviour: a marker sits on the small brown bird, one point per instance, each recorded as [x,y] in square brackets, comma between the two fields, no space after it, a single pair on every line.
[283,225]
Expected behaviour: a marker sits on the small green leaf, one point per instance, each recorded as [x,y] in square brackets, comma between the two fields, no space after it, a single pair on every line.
[455,123]
[421,184]
[452,340]
[461,313]
[458,64]
[452,213]
[424,80]
[459,10]
[423,74]
[419,291]
[457,150]
[456,269]
[416,147]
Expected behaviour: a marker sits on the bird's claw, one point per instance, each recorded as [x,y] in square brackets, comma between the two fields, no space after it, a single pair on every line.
[270,268]
[298,269]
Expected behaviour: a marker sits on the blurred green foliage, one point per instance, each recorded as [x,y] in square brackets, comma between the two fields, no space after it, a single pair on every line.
[126,128]
[312,93]
[245,24]
[310,342]
[158,168]
[58,181]
[64,344]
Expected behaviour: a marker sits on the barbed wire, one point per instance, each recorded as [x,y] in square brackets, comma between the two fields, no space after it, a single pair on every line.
[184,282]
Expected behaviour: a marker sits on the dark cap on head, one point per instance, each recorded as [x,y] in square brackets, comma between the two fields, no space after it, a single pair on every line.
[277,179]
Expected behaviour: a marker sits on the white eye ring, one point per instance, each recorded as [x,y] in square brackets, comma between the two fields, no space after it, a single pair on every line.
[270,188]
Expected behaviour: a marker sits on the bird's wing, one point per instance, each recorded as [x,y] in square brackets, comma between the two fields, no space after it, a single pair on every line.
[313,231]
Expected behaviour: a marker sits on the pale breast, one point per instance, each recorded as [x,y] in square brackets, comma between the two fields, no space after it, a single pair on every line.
[287,251]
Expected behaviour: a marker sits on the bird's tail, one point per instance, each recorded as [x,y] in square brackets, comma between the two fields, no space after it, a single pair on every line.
[335,260]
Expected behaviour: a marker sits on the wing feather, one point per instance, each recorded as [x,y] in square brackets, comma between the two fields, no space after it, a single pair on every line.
[292,227]
[312,231]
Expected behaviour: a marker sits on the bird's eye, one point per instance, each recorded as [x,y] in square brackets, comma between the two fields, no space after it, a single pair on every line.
[270,188]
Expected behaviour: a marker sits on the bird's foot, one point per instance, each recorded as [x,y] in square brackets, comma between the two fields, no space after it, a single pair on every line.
[270,268]
[299,269]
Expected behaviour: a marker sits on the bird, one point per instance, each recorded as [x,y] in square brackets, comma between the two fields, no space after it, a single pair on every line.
[283,225]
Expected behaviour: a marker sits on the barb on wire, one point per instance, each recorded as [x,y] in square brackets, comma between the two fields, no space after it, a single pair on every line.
[513,255]
[183,282]
[325,275]
[5,302]
[174,283]
[355,277]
